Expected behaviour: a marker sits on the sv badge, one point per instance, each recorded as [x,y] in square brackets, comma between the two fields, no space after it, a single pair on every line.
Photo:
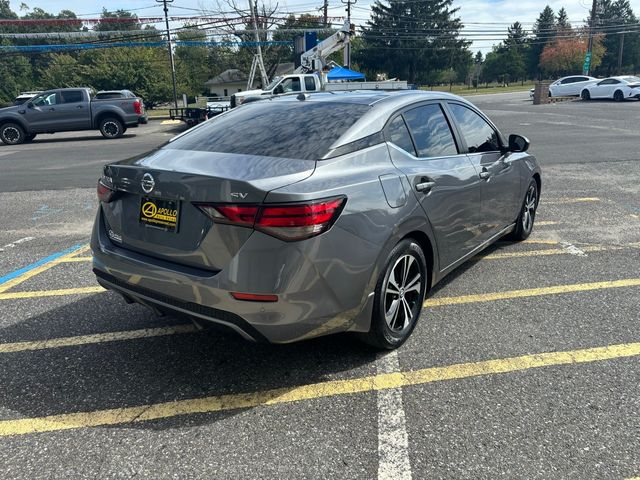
[239,195]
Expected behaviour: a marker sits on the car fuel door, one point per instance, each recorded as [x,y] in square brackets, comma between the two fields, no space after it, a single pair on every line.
[443,181]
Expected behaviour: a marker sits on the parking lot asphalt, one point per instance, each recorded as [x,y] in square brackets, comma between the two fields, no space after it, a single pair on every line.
[525,362]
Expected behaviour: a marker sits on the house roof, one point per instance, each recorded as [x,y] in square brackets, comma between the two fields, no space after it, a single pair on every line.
[233,75]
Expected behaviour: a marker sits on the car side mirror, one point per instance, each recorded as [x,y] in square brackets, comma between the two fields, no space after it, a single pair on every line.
[518,143]
[278,90]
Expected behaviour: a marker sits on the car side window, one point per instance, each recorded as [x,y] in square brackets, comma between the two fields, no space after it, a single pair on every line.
[569,80]
[477,133]
[71,96]
[291,85]
[45,100]
[399,135]
[431,131]
[309,84]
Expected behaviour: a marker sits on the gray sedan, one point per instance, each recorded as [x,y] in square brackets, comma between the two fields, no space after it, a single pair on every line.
[291,218]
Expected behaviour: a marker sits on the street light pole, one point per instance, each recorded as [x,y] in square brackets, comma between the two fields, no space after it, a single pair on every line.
[347,50]
[173,65]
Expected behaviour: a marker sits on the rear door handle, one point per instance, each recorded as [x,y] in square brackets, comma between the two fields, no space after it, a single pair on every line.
[425,186]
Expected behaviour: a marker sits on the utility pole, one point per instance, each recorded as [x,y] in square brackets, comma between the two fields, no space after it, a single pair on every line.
[325,13]
[347,50]
[263,72]
[173,65]
[592,27]
[620,52]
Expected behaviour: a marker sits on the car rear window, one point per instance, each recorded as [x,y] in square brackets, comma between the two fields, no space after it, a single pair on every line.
[103,96]
[301,129]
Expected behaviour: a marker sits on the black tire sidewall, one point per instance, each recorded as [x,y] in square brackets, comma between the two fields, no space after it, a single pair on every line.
[111,120]
[519,233]
[21,133]
[618,96]
[386,337]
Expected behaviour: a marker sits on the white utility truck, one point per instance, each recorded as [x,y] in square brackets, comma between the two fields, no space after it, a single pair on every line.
[310,76]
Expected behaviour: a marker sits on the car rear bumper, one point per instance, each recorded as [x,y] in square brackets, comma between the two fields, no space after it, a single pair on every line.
[316,296]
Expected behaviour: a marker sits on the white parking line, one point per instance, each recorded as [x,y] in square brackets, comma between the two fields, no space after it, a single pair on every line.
[393,442]
[17,242]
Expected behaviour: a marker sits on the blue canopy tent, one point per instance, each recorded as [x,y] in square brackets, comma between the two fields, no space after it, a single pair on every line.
[342,73]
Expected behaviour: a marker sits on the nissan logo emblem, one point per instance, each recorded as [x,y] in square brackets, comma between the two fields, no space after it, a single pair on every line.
[147,183]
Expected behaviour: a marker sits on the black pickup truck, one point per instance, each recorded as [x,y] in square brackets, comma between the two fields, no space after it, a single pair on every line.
[70,109]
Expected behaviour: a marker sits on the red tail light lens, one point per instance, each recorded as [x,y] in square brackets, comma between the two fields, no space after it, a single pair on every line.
[105,192]
[254,297]
[137,107]
[289,222]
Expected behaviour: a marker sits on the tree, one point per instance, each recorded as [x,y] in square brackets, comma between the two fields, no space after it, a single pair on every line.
[413,40]
[192,62]
[15,75]
[516,35]
[63,71]
[543,33]
[565,55]
[613,16]
[562,22]
[117,21]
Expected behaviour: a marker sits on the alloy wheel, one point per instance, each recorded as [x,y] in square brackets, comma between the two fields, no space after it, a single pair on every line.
[11,134]
[111,129]
[402,293]
[529,209]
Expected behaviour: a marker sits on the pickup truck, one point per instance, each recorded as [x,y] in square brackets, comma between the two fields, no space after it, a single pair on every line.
[308,83]
[69,109]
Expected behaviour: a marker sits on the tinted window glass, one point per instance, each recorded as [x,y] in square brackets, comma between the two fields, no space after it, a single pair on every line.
[46,99]
[297,129]
[71,96]
[431,131]
[102,96]
[569,80]
[399,135]
[477,133]
[291,85]
[309,84]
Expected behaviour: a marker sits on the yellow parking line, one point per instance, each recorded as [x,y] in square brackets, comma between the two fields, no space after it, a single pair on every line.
[96,338]
[36,271]
[560,201]
[50,293]
[142,413]
[540,241]
[531,292]
[558,251]
[73,259]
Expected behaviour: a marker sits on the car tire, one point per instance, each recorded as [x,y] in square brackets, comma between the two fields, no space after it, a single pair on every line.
[111,127]
[12,134]
[30,137]
[527,216]
[618,96]
[585,95]
[398,297]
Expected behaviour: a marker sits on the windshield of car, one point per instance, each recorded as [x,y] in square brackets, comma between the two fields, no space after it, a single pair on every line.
[273,83]
[631,79]
[301,129]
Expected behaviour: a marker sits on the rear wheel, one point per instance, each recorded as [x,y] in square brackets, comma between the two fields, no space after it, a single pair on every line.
[618,96]
[398,297]
[586,96]
[111,128]
[12,134]
[524,224]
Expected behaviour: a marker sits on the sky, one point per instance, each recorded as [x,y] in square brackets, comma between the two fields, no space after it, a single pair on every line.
[472,12]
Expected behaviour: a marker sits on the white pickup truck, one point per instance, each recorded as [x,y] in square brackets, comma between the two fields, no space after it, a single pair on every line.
[311,82]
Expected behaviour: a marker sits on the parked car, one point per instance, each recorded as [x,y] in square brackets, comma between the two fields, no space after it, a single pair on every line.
[295,217]
[69,109]
[617,88]
[25,96]
[113,94]
[570,86]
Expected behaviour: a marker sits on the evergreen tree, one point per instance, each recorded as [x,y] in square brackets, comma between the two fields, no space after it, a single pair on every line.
[516,35]
[413,40]
[543,33]
[562,22]
[613,15]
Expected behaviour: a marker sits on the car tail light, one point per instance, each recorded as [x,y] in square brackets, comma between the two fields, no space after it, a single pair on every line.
[105,191]
[137,107]
[288,221]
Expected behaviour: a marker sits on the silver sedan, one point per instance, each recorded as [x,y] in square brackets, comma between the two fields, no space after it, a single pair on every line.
[296,217]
